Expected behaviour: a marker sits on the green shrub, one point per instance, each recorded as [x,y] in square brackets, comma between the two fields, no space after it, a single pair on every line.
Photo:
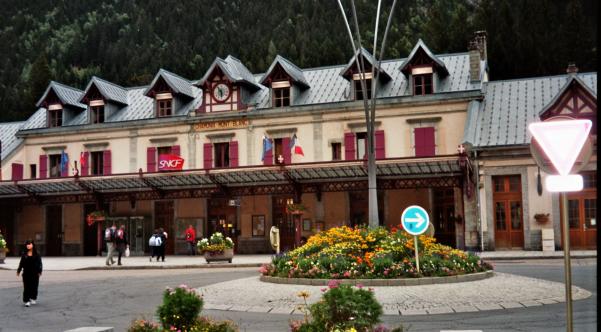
[180,308]
[204,324]
[142,325]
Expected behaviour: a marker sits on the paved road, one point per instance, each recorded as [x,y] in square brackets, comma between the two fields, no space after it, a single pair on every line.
[70,299]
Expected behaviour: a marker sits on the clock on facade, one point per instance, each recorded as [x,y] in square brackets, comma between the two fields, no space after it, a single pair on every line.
[221,92]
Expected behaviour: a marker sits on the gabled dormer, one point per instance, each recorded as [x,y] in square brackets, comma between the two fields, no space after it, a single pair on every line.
[227,86]
[423,69]
[103,99]
[170,93]
[352,73]
[575,99]
[61,103]
[285,80]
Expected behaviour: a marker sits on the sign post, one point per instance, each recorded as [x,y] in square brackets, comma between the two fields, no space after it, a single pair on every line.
[561,140]
[415,220]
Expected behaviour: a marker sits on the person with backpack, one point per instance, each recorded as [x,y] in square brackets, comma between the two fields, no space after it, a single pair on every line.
[109,237]
[191,240]
[121,242]
[155,242]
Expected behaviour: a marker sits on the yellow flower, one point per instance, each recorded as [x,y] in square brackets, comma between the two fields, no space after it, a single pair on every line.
[304,294]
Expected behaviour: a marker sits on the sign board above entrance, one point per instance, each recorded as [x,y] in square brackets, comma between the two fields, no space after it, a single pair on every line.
[170,162]
[223,124]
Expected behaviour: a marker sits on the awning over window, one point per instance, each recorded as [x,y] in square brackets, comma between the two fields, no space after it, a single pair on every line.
[256,176]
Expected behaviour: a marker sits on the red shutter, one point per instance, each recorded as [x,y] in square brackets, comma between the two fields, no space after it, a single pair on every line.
[17,172]
[208,155]
[424,142]
[151,159]
[233,154]
[64,170]
[287,153]
[268,158]
[43,166]
[380,145]
[85,168]
[176,150]
[349,146]
[107,167]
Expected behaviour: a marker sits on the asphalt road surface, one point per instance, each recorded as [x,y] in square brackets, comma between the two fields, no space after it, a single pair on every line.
[71,299]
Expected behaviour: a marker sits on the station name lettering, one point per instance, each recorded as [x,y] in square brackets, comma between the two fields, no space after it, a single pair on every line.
[225,124]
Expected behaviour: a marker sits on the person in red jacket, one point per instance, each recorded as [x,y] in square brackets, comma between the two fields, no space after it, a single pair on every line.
[191,240]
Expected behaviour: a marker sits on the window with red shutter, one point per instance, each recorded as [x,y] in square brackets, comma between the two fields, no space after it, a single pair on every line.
[222,155]
[85,167]
[286,151]
[43,166]
[233,154]
[151,159]
[349,146]
[268,158]
[176,150]
[208,155]
[97,163]
[425,144]
[380,145]
[107,167]
[17,172]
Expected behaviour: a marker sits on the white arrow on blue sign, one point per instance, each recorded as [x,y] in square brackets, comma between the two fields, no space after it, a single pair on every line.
[415,220]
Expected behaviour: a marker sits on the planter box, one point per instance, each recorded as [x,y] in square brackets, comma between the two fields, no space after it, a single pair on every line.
[226,255]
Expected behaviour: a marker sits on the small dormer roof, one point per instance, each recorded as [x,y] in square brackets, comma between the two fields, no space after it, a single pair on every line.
[440,66]
[177,83]
[572,80]
[235,71]
[367,56]
[295,73]
[110,91]
[66,94]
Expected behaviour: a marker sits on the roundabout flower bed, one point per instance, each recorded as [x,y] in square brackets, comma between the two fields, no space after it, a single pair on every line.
[361,253]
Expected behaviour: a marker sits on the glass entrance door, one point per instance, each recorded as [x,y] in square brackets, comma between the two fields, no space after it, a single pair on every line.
[508,216]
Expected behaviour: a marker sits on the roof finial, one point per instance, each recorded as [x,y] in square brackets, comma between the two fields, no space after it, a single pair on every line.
[572,69]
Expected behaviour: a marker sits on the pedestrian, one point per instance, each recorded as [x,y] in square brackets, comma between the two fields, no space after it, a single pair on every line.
[155,242]
[31,265]
[191,240]
[121,242]
[163,245]
[109,237]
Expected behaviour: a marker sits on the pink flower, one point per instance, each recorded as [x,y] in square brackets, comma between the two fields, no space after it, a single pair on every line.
[347,274]
[359,286]
[324,289]
[386,272]
[333,284]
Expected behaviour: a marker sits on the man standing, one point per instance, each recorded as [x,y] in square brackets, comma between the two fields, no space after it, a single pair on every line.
[191,240]
[121,242]
[109,237]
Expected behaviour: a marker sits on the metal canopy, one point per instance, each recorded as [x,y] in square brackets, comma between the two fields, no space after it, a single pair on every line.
[242,177]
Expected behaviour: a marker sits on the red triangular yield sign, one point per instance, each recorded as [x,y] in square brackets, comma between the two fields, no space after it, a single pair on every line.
[561,140]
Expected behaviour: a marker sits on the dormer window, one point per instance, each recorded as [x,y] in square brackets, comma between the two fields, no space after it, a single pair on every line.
[164,102]
[55,115]
[422,80]
[281,94]
[96,111]
[359,95]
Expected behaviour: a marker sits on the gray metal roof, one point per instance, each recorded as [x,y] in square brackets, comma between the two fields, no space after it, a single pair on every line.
[510,106]
[420,44]
[234,70]
[179,84]
[8,138]
[370,59]
[295,73]
[110,91]
[67,95]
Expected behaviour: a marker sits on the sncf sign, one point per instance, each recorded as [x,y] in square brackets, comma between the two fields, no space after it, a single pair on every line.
[170,162]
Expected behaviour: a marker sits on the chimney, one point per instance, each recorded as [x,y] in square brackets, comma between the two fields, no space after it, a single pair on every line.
[477,52]
[474,56]
[572,69]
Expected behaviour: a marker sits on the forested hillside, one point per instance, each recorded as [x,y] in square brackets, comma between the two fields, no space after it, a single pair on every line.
[127,41]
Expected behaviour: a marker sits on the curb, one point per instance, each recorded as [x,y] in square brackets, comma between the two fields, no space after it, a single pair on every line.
[382,282]
[513,258]
[169,267]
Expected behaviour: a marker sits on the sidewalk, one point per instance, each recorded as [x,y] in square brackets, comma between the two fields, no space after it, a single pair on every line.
[183,262]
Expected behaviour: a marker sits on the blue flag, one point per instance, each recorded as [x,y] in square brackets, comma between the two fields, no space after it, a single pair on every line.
[267,145]
[64,161]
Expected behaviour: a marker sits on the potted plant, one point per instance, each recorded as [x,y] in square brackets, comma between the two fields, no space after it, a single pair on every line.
[295,208]
[541,218]
[216,248]
[3,249]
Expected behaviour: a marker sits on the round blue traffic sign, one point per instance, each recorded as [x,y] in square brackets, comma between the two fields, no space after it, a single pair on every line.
[415,220]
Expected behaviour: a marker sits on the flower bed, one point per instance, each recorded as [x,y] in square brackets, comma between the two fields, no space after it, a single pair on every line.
[360,253]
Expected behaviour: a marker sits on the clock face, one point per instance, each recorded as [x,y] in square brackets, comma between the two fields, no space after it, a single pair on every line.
[221,92]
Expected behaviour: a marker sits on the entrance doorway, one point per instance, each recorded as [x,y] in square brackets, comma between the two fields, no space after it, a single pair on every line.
[54,230]
[163,218]
[222,217]
[508,216]
[582,215]
[91,233]
[444,216]
[284,222]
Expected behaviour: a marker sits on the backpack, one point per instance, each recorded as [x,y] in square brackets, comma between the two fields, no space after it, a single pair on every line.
[120,234]
[109,234]
[154,241]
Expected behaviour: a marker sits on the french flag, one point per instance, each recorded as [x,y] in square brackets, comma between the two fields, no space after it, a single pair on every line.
[295,146]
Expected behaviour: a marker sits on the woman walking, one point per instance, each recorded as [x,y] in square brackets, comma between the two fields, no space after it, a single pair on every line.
[31,265]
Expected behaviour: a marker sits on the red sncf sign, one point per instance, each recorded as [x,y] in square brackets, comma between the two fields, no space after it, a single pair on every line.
[170,162]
